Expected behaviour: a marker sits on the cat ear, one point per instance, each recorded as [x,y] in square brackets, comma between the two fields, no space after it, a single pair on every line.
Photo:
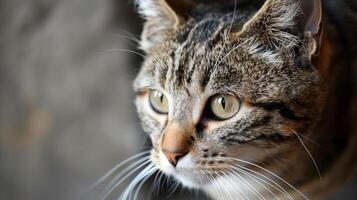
[162,17]
[282,24]
[310,22]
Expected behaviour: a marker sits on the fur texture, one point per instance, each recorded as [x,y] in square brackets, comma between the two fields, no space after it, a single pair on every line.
[258,55]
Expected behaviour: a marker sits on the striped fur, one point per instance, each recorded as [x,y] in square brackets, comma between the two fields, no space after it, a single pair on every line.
[256,54]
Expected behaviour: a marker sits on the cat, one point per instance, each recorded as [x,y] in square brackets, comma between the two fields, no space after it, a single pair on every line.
[239,100]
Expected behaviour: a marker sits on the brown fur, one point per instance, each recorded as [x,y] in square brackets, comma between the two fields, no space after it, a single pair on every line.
[261,55]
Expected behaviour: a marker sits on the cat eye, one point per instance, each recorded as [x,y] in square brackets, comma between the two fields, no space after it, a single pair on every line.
[224,106]
[158,102]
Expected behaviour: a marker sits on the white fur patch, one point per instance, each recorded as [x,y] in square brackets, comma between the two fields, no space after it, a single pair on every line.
[148,8]
[232,187]
[182,170]
[256,50]
[165,165]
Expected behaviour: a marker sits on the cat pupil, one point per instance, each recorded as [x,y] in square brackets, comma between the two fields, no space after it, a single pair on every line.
[223,102]
[161,98]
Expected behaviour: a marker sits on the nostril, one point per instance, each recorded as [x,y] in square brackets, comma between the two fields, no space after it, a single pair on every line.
[177,156]
[174,157]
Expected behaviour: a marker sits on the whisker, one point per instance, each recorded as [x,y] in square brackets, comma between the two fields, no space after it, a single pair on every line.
[136,37]
[262,185]
[228,32]
[255,179]
[112,187]
[232,50]
[224,188]
[157,181]
[127,50]
[133,44]
[124,171]
[240,180]
[271,173]
[275,186]
[307,150]
[142,183]
[127,36]
[110,172]
[241,193]
[213,181]
[173,188]
[162,176]
[129,40]
[167,180]
[309,139]
[138,53]
[257,193]
[147,171]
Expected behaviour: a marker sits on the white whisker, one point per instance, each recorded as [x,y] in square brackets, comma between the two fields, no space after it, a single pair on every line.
[271,173]
[256,178]
[309,139]
[127,50]
[307,150]
[224,188]
[157,181]
[142,183]
[127,35]
[211,180]
[235,48]
[275,186]
[110,172]
[111,188]
[129,40]
[147,171]
[228,32]
[124,171]
[173,188]
[251,188]
[242,194]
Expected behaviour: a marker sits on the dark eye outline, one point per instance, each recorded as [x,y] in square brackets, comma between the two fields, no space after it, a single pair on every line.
[209,114]
[151,104]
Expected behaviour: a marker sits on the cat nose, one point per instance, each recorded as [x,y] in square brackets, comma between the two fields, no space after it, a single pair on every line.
[176,142]
[173,157]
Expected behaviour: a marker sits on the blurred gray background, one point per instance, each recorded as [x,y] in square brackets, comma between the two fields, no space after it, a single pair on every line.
[66,102]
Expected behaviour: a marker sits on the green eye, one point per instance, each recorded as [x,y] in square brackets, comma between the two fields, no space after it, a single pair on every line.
[224,106]
[158,102]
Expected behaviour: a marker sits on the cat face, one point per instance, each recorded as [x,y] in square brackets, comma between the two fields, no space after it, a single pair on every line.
[225,88]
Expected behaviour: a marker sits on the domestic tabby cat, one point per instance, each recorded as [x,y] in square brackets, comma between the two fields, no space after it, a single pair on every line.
[238,98]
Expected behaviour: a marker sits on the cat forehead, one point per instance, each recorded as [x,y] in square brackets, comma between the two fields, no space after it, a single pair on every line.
[198,67]
[201,56]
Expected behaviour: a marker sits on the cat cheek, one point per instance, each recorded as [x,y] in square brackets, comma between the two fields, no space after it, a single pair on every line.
[153,138]
[187,162]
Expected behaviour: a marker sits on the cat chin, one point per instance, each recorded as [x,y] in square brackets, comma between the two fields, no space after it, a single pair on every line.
[227,187]
[188,181]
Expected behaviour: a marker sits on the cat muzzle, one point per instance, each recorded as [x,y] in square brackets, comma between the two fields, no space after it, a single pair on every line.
[176,143]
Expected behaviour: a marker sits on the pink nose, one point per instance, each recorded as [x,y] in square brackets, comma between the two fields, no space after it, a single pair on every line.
[173,157]
[177,141]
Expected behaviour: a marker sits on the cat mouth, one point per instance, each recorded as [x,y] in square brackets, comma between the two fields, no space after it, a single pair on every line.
[187,172]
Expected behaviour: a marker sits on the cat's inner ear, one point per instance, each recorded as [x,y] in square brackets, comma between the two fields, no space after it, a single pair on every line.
[310,22]
[284,24]
[161,18]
